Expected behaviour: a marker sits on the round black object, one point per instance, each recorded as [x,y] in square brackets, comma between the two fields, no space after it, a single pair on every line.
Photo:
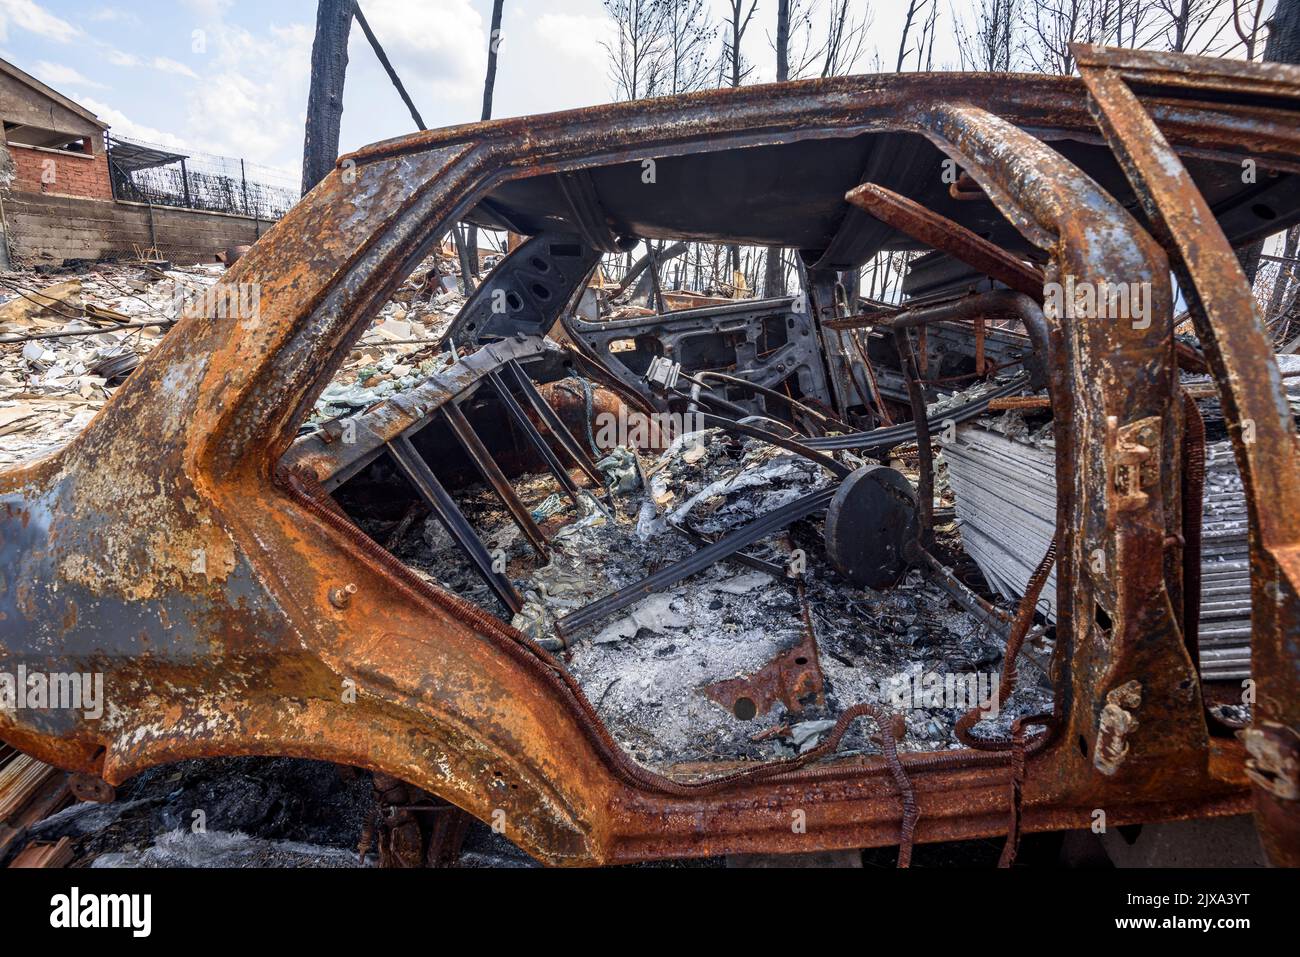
[871,526]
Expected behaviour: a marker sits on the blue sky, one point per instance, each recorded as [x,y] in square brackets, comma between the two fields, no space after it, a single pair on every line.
[230,76]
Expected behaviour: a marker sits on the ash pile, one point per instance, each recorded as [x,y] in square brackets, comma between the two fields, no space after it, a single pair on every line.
[749,659]
[69,339]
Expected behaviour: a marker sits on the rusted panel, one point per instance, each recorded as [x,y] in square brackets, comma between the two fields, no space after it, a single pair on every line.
[164,548]
[1250,386]
[956,240]
[1113,600]
[793,678]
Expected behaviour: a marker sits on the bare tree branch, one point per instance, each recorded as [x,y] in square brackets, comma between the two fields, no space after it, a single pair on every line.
[987,44]
[636,58]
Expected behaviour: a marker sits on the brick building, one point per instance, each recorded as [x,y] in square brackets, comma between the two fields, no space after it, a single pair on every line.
[56,195]
[56,146]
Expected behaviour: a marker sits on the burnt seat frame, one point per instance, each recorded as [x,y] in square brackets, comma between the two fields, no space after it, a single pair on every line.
[233,610]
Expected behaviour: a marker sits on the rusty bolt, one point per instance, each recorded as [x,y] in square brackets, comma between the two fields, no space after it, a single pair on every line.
[341,597]
[88,787]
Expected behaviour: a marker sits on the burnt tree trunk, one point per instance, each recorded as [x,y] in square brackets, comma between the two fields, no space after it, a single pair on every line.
[782,41]
[489,87]
[1283,46]
[494,40]
[329,67]
[773,273]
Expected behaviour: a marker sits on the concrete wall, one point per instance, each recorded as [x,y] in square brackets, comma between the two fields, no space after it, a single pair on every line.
[6,181]
[46,229]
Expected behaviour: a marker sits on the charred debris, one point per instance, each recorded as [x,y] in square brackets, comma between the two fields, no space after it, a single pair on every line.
[617,561]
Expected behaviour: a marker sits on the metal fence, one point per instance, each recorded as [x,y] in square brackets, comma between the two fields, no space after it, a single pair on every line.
[147,173]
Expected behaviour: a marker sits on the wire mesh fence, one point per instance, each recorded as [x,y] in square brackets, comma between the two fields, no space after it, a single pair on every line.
[147,173]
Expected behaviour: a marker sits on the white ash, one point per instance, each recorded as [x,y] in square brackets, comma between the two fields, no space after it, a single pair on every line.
[644,668]
[50,389]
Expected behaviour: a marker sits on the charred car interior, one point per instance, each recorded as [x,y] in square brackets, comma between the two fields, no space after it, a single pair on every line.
[649,583]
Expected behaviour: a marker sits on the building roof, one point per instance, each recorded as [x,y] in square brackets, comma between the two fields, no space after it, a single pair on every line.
[30,81]
[129,157]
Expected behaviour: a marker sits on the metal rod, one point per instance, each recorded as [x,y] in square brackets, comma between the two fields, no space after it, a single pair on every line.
[740,558]
[555,425]
[887,438]
[4,339]
[726,546]
[927,226]
[925,455]
[482,459]
[824,420]
[989,614]
[453,519]
[516,412]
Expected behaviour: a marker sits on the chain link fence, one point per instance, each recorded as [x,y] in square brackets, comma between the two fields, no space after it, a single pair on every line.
[147,173]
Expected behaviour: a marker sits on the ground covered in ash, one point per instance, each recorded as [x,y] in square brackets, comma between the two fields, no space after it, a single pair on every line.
[645,668]
[223,812]
[251,813]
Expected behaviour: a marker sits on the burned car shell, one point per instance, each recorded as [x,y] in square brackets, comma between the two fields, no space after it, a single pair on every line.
[166,548]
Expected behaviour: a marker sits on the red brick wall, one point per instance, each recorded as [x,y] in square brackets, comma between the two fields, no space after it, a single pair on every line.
[75,174]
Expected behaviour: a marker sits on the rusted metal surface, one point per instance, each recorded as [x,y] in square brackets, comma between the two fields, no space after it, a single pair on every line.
[994,305]
[732,337]
[1020,402]
[412,829]
[793,678]
[942,233]
[996,619]
[1232,331]
[165,549]
[340,450]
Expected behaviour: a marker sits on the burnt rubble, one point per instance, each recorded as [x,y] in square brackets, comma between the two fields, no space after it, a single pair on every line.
[648,670]
[382,525]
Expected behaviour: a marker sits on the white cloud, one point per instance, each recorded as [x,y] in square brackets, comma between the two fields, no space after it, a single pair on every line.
[160,63]
[57,75]
[123,125]
[438,49]
[168,65]
[575,36]
[112,15]
[30,16]
[210,9]
[252,101]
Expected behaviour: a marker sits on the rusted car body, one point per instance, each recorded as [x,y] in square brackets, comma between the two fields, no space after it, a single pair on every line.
[233,610]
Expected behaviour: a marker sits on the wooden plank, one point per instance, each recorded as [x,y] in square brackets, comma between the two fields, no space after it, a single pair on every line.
[51,798]
[19,782]
[45,855]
